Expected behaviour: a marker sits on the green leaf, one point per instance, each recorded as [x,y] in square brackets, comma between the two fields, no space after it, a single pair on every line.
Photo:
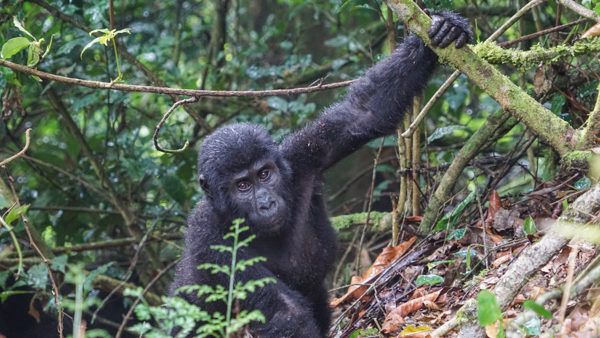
[15,213]
[38,276]
[529,227]
[429,280]
[457,234]
[174,188]
[19,25]
[49,46]
[33,54]
[450,219]
[59,263]
[583,183]
[13,46]
[90,44]
[488,311]
[540,310]
[277,103]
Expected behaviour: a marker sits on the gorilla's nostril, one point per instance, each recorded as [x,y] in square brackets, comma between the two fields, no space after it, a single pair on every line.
[268,206]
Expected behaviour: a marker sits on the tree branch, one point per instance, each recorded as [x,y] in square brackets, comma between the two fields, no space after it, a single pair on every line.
[168,90]
[21,152]
[538,119]
[579,9]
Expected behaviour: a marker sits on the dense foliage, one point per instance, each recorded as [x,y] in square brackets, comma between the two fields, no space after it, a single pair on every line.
[103,201]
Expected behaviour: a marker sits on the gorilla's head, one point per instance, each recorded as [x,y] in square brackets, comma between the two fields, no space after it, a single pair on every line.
[244,176]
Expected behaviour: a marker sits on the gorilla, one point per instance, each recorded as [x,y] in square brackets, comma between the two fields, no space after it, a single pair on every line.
[277,189]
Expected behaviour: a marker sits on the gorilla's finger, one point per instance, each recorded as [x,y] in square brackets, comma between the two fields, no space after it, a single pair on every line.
[462,40]
[451,36]
[441,33]
[436,24]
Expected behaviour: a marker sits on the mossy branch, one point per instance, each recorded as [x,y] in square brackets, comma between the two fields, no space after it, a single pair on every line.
[495,54]
[513,99]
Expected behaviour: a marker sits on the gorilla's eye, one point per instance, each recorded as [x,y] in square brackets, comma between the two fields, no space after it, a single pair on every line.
[264,174]
[244,185]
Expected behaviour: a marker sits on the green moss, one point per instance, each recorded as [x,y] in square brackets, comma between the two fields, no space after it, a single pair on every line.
[346,221]
[495,54]
[576,160]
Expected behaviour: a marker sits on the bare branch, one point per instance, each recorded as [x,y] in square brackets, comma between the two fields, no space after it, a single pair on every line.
[20,153]
[171,91]
[579,9]
[162,121]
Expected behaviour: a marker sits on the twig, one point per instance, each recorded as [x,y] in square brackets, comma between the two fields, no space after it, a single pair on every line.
[47,263]
[137,301]
[369,205]
[579,9]
[471,148]
[16,244]
[590,131]
[172,91]
[541,33]
[568,285]
[129,271]
[162,121]
[440,92]
[20,153]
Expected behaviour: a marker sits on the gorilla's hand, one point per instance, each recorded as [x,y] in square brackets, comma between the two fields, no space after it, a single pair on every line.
[447,27]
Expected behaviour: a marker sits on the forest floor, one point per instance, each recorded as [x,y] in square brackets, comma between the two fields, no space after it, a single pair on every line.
[416,287]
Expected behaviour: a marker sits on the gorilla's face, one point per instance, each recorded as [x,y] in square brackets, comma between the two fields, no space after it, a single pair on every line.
[244,175]
[258,193]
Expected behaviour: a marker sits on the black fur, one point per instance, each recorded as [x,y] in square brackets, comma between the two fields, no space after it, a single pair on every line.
[299,242]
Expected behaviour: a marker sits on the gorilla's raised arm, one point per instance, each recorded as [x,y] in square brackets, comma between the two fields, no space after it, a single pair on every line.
[376,102]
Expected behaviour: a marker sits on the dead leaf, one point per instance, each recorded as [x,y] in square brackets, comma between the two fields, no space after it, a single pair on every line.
[594,31]
[414,219]
[385,258]
[495,205]
[501,260]
[431,305]
[519,299]
[506,220]
[395,319]
[543,80]
[420,292]
[492,330]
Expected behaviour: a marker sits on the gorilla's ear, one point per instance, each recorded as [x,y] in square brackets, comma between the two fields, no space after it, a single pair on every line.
[203,183]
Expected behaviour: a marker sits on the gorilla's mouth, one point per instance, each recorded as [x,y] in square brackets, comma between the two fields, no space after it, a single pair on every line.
[268,224]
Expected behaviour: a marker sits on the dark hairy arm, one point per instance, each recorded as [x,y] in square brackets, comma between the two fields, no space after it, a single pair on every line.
[376,102]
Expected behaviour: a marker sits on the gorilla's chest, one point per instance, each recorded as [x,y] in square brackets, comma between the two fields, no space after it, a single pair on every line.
[305,255]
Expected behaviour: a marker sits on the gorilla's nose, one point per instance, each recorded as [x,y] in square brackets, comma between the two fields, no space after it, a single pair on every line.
[267,205]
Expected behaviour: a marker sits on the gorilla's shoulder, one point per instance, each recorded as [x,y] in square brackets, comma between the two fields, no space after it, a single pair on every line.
[203,223]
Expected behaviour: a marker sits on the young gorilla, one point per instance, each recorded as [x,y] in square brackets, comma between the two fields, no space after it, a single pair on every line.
[277,189]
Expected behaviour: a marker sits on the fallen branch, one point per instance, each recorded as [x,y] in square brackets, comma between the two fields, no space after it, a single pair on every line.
[528,263]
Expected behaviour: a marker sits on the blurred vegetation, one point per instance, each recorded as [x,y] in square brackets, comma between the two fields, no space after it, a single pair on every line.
[100,195]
